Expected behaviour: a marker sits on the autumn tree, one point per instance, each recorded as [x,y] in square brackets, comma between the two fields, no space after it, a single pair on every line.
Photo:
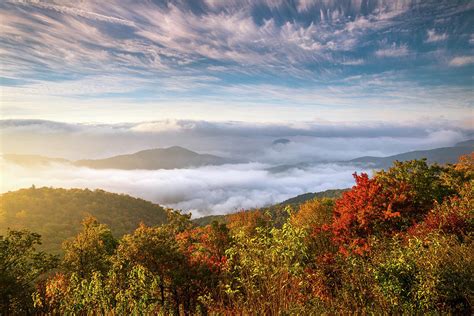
[313,213]
[423,183]
[156,249]
[204,249]
[455,215]
[90,250]
[20,267]
[247,221]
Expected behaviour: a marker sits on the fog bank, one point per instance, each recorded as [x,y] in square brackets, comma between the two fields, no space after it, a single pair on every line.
[203,191]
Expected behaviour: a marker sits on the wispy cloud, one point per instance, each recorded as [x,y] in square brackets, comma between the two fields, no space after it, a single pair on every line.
[432,36]
[182,53]
[460,61]
[75,12]
[392,51]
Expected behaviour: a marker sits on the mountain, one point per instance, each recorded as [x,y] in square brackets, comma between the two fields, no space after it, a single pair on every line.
[56,214]
[32,160]
[281,141]
[151,159]
[159,158]
[467,143]
[442,155]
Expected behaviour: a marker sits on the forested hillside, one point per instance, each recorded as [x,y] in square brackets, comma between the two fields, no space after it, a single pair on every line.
[278,212]
[400,242]
[56,214]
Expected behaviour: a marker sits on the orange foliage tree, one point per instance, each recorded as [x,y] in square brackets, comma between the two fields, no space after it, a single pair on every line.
[390,202]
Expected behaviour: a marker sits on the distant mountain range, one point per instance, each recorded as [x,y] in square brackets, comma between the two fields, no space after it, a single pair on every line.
[442,155]
[32,160]
[152,159]
[178,157]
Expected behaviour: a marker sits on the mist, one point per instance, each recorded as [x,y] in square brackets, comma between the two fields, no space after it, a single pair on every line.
[309,141]
[202,191]
[214,189]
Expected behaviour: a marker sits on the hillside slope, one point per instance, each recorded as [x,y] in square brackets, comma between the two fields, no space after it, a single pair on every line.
[56,214]
[277,211]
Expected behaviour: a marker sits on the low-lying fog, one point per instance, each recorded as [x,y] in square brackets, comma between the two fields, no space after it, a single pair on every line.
[203,191]
[214,189]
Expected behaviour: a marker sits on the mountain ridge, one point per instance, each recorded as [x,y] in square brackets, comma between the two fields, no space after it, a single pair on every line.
[442,155]
[177,157]
[174,157]
[152,159]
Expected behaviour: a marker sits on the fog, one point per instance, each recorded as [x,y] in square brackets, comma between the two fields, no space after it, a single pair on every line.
[215,189]
[203,191]
[310,141]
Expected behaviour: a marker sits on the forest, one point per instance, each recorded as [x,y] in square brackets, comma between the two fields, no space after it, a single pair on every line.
[398,242]
[56,213]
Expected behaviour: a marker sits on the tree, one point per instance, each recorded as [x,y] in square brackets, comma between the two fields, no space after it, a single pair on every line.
[390,202]
[367,209]
[247,221]
[267,270]
[90,250]
[156,249]
[424,183]
[204,249]
[313,213]
[20,266]
[454,216]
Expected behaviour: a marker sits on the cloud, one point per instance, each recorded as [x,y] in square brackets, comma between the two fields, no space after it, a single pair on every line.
[215,189]
[75,12]
[231,59]
[207,190]
[310,141]
[460,61]
[170,35]
[392,51]
[353,62]
[435,37]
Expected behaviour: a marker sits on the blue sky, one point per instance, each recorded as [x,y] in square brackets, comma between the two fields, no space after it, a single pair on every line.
[260,60]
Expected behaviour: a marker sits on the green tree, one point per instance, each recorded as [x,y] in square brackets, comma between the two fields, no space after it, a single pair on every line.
[267,269]
[20,266]
[90,250]
[156,249]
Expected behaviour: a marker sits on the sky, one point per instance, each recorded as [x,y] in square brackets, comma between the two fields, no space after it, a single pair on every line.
[390,61]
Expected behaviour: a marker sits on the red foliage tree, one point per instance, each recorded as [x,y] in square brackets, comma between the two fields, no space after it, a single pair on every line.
[390,202]
[368,209]
[205,246]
